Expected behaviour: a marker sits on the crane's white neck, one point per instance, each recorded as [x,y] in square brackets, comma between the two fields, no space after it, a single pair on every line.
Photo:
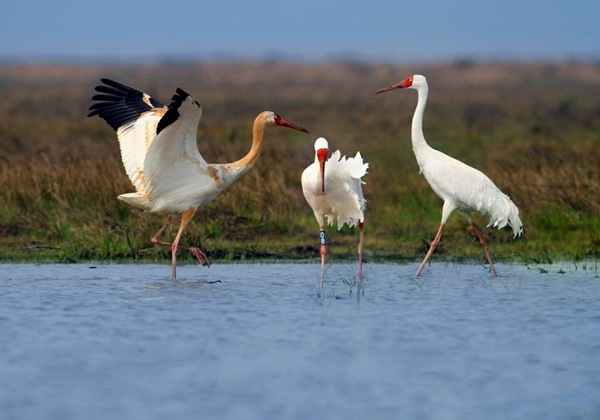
[418,139]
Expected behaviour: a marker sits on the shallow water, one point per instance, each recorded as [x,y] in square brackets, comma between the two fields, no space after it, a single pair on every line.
[99,341]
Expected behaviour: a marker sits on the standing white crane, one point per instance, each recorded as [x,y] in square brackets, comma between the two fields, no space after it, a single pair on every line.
[333,188]
[462,187]
[161,157]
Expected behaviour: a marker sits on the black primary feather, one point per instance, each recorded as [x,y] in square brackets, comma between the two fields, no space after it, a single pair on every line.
[173,110]
[119,104]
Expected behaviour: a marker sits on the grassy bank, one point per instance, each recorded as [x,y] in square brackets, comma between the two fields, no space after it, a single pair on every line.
[532,128]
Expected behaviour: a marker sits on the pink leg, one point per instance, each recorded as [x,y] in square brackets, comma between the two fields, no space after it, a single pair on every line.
[434,244]
[185,219]
[485,247]
[156,238]
[361,230]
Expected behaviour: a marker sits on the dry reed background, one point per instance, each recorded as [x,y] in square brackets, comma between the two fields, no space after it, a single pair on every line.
[533,128]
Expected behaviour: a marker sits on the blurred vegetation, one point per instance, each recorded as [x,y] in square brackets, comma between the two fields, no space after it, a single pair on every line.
[533,128]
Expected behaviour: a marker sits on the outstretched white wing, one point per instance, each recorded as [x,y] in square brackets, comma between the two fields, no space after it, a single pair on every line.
[177,177]
[135,116]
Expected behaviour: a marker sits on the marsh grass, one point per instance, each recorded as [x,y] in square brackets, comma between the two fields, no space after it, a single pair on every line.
[532,128]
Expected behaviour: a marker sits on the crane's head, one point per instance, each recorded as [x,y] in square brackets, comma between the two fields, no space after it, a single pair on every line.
[414,82]
[269,118]
[321,150]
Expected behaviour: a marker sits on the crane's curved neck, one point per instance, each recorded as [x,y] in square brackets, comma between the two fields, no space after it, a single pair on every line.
[234,170]
[418,139]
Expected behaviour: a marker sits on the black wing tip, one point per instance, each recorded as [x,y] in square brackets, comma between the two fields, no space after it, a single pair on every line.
[115,88]
[172,113]
[114,84]
[178,98]
[93,110]
[120,104]
[182,92]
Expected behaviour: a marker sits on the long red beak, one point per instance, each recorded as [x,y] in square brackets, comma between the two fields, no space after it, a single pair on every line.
[322,156]
[403,84]
[285,123]
[387,89]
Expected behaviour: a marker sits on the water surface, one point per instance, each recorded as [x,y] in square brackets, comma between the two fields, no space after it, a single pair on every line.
[234,341]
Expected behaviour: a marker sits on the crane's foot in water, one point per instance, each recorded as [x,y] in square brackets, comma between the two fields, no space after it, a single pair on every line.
[201,256]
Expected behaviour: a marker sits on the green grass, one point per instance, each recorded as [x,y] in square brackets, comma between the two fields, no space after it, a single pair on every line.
[534,128]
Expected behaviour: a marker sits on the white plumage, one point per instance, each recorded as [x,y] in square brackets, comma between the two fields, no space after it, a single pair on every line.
[462,187]
[161,157]
[333,188]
